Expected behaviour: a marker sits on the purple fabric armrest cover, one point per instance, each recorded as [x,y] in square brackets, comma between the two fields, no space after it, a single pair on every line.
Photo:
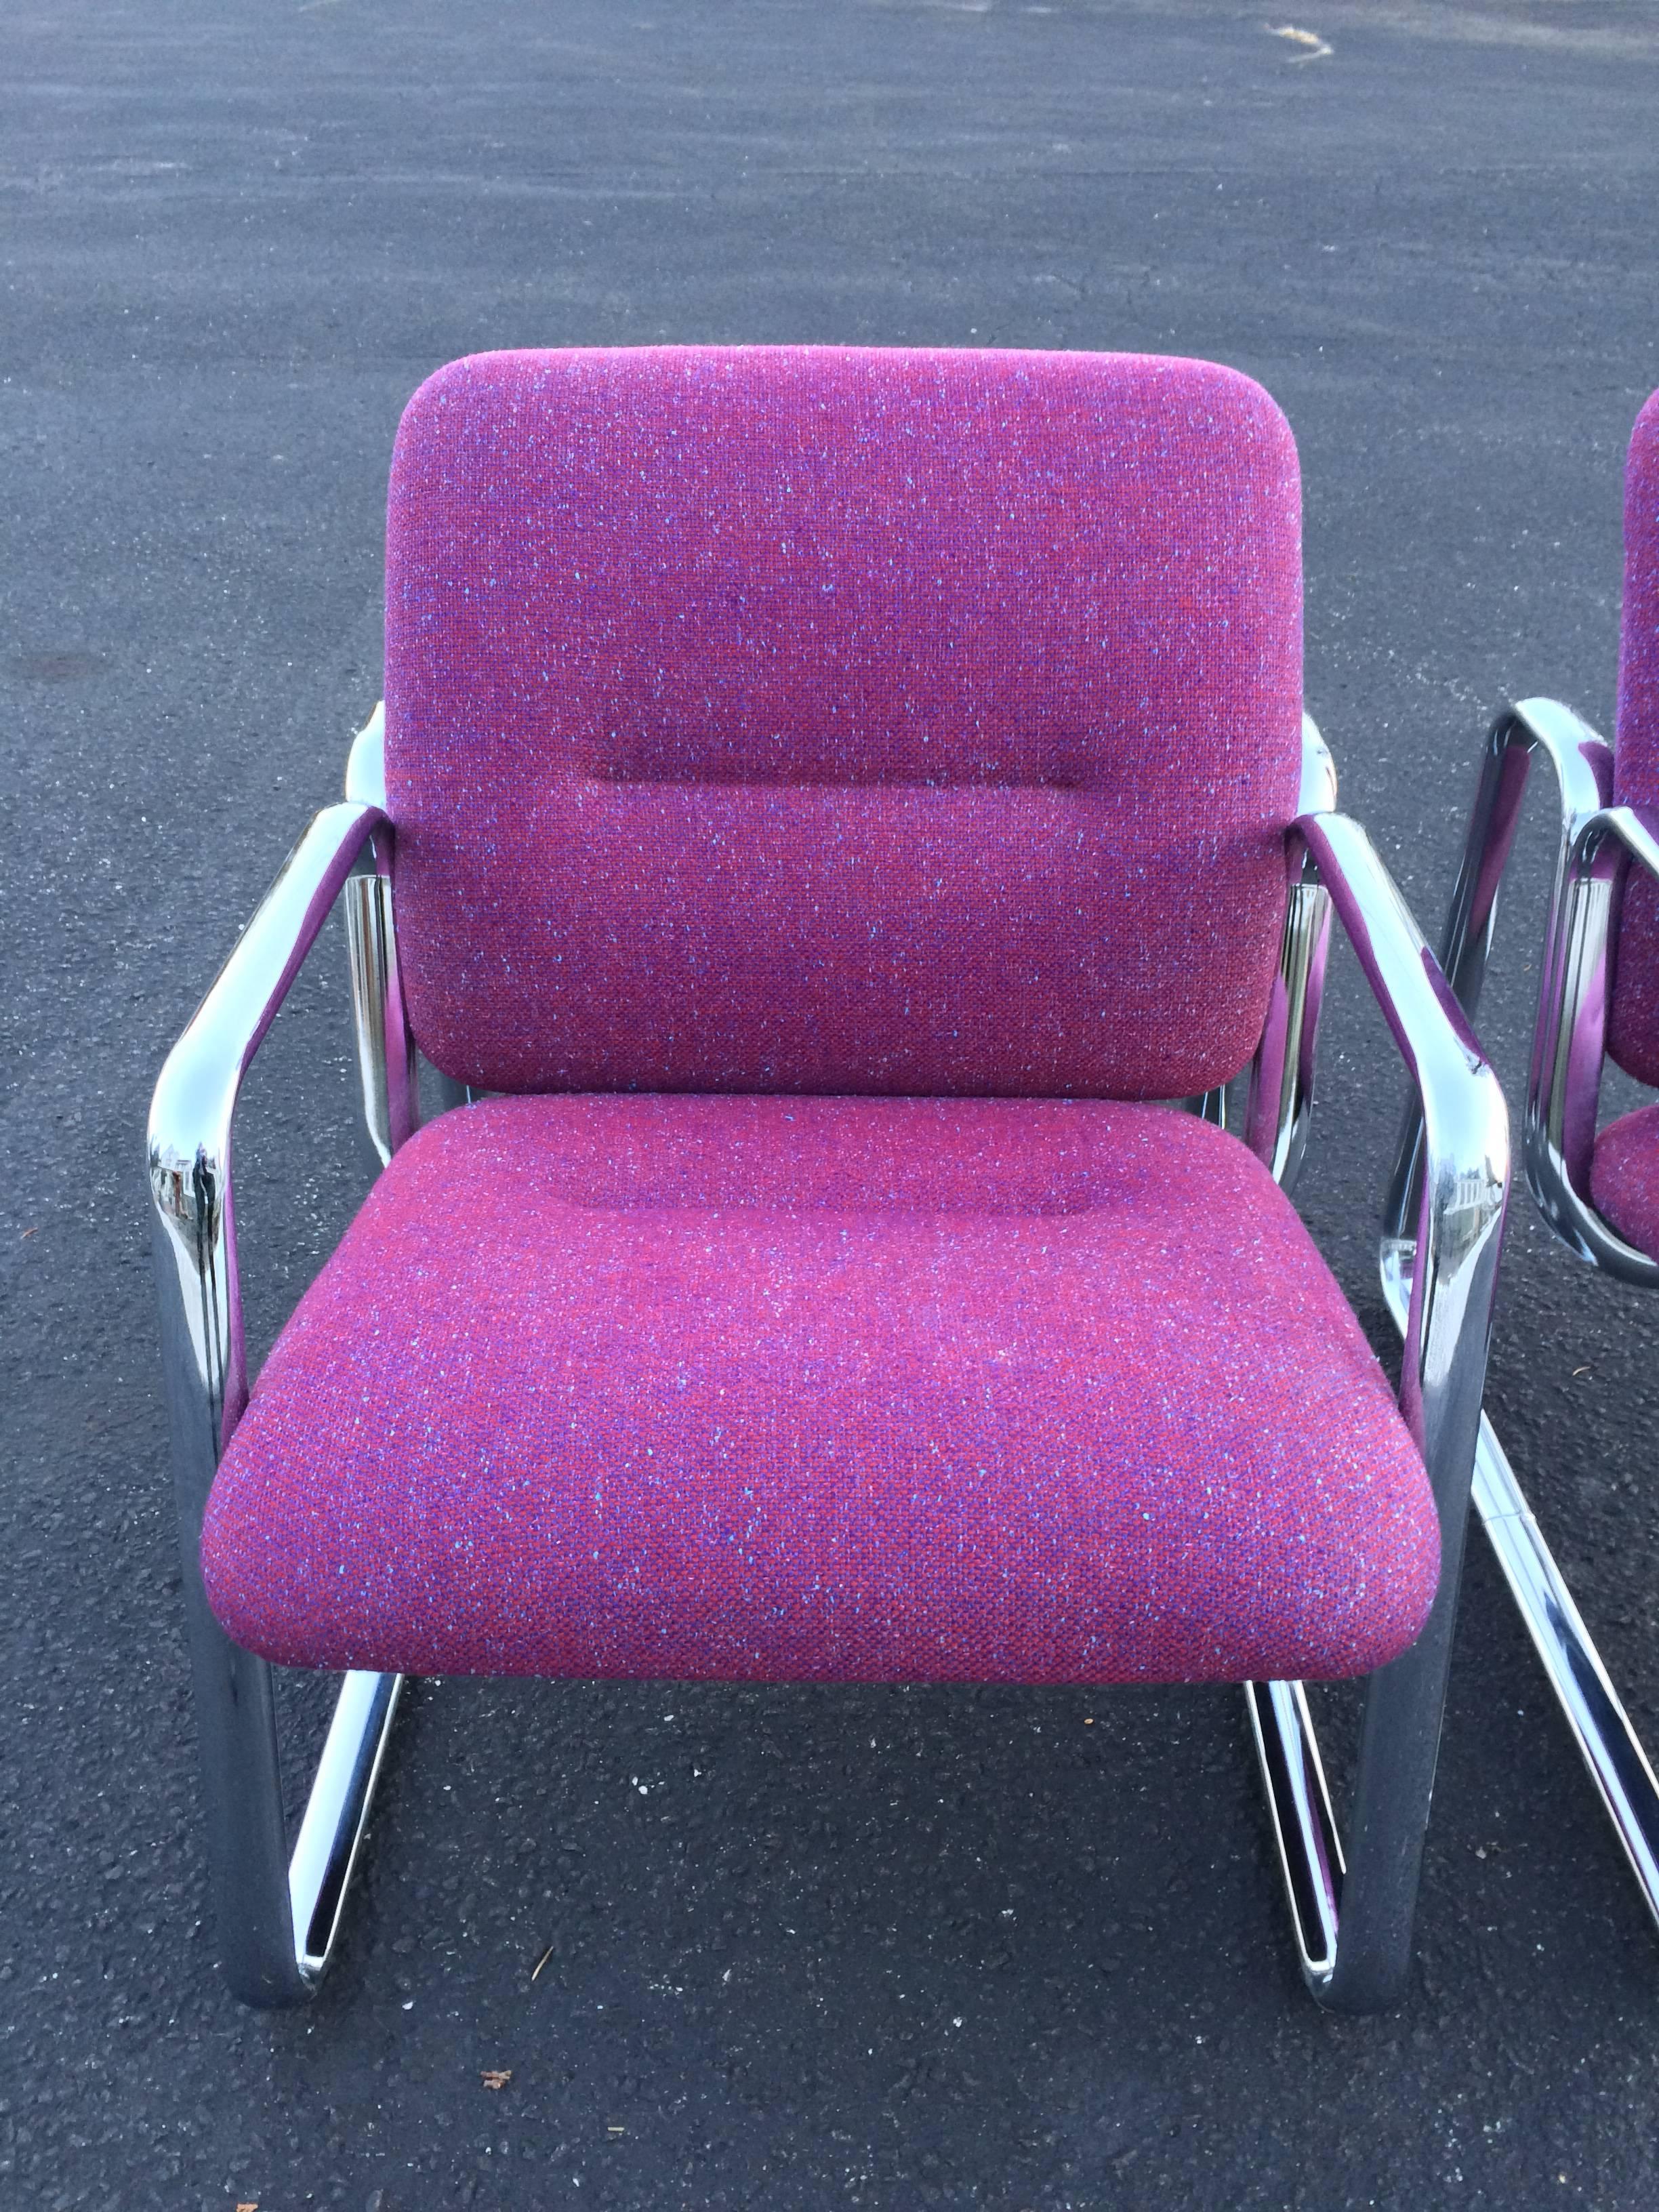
[819,718]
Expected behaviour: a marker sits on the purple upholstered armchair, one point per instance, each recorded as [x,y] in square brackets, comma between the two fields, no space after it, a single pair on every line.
[1598,1188]
[840,806]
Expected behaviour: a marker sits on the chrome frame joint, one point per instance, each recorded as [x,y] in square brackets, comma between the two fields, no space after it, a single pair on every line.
[386,1061]
[1278,1103]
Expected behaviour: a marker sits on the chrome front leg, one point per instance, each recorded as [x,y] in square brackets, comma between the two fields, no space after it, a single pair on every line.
[1601,1729]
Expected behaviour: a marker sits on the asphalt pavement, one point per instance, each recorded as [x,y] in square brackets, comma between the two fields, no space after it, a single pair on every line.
[1021,1950]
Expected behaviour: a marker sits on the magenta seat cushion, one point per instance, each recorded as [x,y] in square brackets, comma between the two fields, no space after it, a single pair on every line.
[823,1388]
[1625,1178]
[814,719]
[1633,1029]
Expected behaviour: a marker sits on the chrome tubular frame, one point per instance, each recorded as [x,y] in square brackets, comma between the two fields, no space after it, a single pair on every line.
[277,1919]
[1597,844]
[1353,1919]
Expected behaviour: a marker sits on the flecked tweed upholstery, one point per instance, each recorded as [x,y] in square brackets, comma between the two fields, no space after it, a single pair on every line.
[818,718]
[1625,1178]
[823,1388]
[1633,1029]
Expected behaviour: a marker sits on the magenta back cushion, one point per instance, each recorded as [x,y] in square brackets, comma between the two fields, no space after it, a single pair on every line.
[1634,1033]
[826,718]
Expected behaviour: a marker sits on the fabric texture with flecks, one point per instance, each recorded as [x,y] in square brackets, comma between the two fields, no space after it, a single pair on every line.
[823,1388]
[1633,1024]
[1625,1177]
[820,718]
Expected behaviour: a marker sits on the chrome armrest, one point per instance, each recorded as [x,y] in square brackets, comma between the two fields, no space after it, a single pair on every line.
[1564,1082]
[190,1133]
[1583,763]
[1451,1257]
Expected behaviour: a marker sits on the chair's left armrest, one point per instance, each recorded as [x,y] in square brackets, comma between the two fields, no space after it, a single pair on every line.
[189,1131]
[1452,1261]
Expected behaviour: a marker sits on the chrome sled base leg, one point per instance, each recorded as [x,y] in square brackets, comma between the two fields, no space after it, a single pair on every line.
[1293,1776]
[1304,1824]
[1353,1910]
[1601,1727]
[276,1917]
[335,1815]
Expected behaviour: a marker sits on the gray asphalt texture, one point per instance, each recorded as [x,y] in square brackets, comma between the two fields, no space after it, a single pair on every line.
[803,1948]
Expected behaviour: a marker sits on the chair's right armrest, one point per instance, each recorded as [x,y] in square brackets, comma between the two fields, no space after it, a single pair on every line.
[190,1133]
